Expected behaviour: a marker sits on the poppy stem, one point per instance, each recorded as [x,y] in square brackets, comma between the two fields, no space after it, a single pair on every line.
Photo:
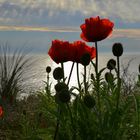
[78,80]
[96,46]
[48,82]
[118,65]
[62,66]
[98,87]
[70,73]
[119,82]
[72,123]
[85,84]
[57,125]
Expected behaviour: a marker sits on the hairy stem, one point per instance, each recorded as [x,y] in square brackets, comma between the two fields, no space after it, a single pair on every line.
[57,126]
[62,66]
[98,88]
[70,73]
[85,84]
[96,46]
[73,127]
[78,80]
[118,83]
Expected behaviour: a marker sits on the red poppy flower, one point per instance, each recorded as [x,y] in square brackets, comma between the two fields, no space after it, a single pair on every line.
[1,111]
[96,29]
[81,49]
[60,51]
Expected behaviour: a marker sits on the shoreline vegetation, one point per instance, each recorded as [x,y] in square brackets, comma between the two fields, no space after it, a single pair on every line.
[105,104]
[35,116]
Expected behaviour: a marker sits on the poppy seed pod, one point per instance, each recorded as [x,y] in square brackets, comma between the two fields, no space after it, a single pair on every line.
[108,77]
[85,59]
[111,64]
[60,86]
[58,73]
[64,96]
[117,49]
[48,69]
[89,101]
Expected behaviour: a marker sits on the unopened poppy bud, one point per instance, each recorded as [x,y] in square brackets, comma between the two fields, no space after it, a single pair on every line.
[117,49]
[48,69]
[64,96]
[111,64]
[89,101]
[85,59]
[108,77]
[58,73]
[92,76]
[61,86]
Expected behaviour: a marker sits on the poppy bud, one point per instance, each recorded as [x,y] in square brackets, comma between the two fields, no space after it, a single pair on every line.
[85,59]
[111,64]
[58,73]
[108,77]
[117,49]
[89,101]
[92,76]
[48,69]
[60,86]
[64,96]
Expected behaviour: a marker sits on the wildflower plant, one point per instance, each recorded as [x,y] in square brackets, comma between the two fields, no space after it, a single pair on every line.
[99,110]
[96,109]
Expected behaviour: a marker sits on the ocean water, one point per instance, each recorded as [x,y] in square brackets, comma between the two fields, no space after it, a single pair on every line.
[38,74]
[38,43]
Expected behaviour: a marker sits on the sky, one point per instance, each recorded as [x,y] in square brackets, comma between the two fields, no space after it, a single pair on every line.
[35,23]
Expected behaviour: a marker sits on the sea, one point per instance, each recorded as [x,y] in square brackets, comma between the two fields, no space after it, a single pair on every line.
[37,44]
[37,75]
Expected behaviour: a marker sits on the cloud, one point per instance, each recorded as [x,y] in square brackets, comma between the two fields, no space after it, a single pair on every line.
[50,11]
[117,33]
[126,33]
[39,29]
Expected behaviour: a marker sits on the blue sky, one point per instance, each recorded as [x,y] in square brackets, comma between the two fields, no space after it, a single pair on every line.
[35,23]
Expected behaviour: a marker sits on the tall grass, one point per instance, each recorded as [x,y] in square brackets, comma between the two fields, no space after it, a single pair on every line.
[90,115]
[13,65]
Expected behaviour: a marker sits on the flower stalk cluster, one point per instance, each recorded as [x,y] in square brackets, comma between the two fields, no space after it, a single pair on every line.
[93,30]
